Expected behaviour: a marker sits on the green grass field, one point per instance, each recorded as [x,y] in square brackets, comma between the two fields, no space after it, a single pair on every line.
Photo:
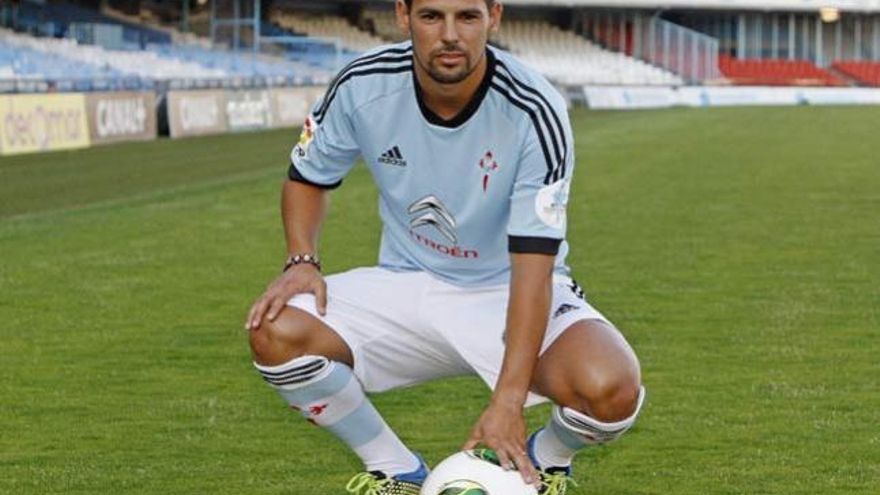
[739,250]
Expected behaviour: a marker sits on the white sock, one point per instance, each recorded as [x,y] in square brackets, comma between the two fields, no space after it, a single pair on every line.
[550,451]
[329,395]
[569,431]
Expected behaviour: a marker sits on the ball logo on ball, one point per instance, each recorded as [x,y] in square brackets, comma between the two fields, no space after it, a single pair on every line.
[475,472]
[463,487]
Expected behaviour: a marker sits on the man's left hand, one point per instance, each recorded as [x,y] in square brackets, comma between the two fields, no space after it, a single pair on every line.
[502,428]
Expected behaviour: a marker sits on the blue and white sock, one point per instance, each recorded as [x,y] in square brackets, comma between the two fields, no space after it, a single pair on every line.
[569,431]
[329,395]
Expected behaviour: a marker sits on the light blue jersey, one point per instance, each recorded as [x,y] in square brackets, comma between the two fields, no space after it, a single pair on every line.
[457,196]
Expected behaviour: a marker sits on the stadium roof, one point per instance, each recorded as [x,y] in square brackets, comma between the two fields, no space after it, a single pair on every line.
[766,5]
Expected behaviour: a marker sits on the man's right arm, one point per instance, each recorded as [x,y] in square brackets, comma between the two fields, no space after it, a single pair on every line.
[303,207]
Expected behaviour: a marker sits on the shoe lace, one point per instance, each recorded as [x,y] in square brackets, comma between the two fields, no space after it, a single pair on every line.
[366,484]
[555,483]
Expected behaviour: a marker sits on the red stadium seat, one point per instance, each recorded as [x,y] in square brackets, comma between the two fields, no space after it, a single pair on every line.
[866,73]
[776,72]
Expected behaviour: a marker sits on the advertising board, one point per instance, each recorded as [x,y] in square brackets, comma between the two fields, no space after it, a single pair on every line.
[840,96]
[121,116]
[196,113]
[290,106]
[200,112]
[34,123]
[248,110]
[629,98]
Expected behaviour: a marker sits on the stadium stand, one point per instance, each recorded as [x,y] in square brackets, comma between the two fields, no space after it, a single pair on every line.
[615,37]
[309,44]
[140,63]
[384,24]
[24,58]
[865,73]
[147,19]
[317,52]
[228,64]
[776,72]
[561,55]
[567,58]
[27,57]
[54,20]
[327,27]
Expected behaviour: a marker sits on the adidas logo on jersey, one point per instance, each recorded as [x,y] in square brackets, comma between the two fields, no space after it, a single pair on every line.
[393,157]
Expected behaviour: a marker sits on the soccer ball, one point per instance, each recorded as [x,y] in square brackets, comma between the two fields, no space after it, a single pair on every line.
[475,472]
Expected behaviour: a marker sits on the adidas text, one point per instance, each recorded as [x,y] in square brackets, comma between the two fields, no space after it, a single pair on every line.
[393,157]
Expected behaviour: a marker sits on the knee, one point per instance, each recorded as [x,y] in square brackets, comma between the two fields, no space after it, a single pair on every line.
[277,342]
[611,398]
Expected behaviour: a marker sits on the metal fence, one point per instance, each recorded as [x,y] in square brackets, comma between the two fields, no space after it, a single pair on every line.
[688,53]
[692,55]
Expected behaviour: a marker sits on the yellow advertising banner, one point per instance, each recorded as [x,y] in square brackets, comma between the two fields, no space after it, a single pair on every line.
[33,123]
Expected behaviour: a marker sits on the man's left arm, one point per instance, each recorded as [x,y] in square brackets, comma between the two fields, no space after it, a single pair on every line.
[536,229]
[502,425]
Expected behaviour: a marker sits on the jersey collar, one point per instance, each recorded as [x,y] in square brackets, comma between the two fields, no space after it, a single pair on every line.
[472,105]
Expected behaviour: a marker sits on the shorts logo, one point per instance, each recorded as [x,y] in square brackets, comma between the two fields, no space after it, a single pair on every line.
[432,212]
[550,203]
[564,308]
[305,138]
[576,290]
[488,165]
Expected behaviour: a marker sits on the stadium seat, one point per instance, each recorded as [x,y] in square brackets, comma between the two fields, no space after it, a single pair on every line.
[567,58]
[384,24]
[776,72]
[865,73]
[54,18]
[29,57]
[327,27]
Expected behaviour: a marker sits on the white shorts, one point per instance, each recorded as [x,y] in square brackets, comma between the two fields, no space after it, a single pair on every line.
[405,328]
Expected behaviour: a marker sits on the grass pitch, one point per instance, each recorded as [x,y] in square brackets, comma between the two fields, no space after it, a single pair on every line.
[738,249]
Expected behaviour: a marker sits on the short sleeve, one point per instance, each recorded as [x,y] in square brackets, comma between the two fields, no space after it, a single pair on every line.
[540,193]
[327,148]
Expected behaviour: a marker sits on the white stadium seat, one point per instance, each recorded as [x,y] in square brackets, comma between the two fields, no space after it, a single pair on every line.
[327,27]
[567,58]
[66,59]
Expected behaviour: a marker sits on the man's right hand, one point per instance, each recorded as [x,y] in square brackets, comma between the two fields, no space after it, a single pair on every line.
[298,279]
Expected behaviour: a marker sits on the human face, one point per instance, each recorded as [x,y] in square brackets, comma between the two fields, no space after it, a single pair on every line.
[449,36]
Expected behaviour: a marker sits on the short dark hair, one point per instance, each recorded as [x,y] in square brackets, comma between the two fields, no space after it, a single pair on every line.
[409,3]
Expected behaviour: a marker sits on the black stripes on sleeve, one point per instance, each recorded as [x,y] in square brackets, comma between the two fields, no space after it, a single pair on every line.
[384,62]
[294,175]
[546,121]
[534,245]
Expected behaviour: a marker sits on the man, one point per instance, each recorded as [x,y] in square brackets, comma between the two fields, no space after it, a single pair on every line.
[472,153]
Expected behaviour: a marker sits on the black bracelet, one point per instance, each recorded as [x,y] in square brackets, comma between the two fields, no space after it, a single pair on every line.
[299,259]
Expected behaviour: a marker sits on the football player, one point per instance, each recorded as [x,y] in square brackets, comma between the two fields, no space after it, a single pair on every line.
[473,156]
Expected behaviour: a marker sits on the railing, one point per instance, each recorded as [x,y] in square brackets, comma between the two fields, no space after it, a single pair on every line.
[160,86]
[688,53]
[691,54]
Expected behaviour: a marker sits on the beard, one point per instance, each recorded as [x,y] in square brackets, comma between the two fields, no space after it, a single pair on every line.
[445,75]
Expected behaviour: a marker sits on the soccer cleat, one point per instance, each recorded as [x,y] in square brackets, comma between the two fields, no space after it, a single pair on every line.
[554,480]
[377,483]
